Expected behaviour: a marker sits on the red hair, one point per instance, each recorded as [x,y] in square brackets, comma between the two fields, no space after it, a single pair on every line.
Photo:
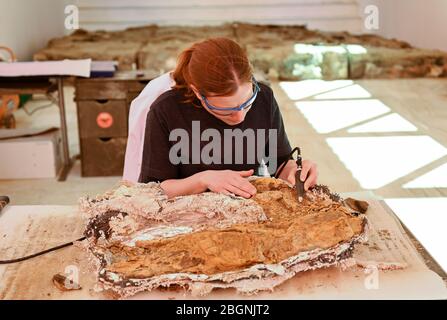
[215,66]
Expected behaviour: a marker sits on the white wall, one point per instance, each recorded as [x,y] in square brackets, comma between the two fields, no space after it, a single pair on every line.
[27,25]
[422,23]
[119,14]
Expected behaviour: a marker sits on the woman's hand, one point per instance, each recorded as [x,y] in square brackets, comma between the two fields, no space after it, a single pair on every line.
[228,181]
[309,173]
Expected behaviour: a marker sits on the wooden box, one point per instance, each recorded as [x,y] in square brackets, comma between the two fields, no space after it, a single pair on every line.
[103,156]
[102,118]
[31,157]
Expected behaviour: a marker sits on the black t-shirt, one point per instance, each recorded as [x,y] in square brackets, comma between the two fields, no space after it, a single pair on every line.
[167,113]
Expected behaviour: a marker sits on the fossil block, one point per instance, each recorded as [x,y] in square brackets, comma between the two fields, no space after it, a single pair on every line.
[141,240]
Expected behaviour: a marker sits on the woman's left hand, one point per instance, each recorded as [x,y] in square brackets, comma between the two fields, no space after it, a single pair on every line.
[309,173]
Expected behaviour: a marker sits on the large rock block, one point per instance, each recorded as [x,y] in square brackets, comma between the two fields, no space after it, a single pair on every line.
[161,52]
[283,52]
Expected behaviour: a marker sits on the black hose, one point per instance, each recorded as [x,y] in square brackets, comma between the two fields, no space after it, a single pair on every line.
[40,253]
[282,165]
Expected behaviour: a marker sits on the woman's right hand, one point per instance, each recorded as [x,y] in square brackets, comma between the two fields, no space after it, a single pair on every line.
[228,181]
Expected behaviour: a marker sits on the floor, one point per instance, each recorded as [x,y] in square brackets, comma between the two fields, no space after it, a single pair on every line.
[385,136]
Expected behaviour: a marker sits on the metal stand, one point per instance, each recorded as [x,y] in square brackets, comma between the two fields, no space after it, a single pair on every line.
[42,85]
[67,162]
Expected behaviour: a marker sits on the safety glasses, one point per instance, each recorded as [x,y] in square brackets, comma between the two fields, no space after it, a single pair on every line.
[244,106]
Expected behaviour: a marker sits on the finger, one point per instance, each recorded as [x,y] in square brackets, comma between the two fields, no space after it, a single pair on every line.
[244,185]
[246,173]
[291,178]
[310,184]
[306,185]
[225,192]
[305,171]
[237,191]
[219,190]
[311,180]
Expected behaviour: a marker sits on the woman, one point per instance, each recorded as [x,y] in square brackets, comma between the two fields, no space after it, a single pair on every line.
[215,90]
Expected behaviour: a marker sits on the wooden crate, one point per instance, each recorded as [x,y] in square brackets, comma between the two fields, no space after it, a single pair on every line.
[102,156]
[102,118]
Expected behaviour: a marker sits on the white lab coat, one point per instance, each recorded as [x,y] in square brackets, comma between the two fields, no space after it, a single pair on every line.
[139,109]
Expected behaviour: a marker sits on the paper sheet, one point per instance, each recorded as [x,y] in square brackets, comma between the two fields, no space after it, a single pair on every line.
[67,67]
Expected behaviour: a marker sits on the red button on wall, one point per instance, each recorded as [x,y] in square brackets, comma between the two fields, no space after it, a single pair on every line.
[104,120]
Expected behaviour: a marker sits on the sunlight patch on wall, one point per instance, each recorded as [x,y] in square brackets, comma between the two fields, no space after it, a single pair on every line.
[317,49]
[356,49]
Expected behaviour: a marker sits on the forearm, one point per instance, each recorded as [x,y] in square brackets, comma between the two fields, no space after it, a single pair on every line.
[182,187]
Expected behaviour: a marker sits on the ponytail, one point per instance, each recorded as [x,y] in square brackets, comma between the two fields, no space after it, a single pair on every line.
[182,76]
